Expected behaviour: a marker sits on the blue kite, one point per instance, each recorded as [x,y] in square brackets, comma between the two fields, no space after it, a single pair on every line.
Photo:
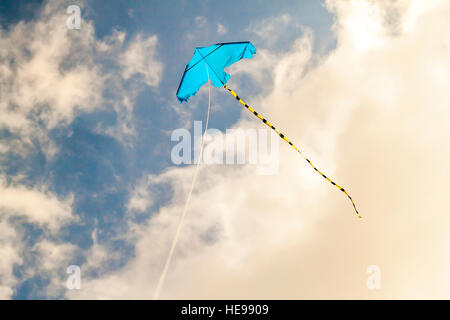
[209,63]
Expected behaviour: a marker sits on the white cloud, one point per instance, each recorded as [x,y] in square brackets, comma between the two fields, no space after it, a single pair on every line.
[140,58]
[200,21]
[141,198]
[51,261]
[270,30]
[221,29]
[130,13]
[54,255]
[48,76]
[10,251]
[35,205]
[97,255]
[373,114]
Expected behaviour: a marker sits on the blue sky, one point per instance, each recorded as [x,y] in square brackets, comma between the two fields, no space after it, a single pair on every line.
[100,170]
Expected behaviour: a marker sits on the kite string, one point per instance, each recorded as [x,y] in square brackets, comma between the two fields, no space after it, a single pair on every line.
[282,136]
[186,205]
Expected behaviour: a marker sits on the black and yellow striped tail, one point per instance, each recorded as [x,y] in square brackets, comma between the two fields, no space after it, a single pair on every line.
[292,145]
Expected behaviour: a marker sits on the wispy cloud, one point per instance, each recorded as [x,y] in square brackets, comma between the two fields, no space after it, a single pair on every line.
[50,75]
[221,29]
[140,58]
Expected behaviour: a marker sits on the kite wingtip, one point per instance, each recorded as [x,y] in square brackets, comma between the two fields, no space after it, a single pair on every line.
[181,100]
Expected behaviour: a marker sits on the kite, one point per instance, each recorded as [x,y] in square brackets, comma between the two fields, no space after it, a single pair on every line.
[209,62]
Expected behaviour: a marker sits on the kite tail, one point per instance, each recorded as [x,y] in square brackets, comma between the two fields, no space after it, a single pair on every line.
[292,145]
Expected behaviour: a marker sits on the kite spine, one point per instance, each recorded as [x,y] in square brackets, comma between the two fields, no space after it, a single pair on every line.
[282,136]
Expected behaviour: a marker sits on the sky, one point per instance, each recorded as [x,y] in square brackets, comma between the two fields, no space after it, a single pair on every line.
[87,179]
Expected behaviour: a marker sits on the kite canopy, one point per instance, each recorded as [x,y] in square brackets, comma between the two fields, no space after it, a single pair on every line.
[209,62]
